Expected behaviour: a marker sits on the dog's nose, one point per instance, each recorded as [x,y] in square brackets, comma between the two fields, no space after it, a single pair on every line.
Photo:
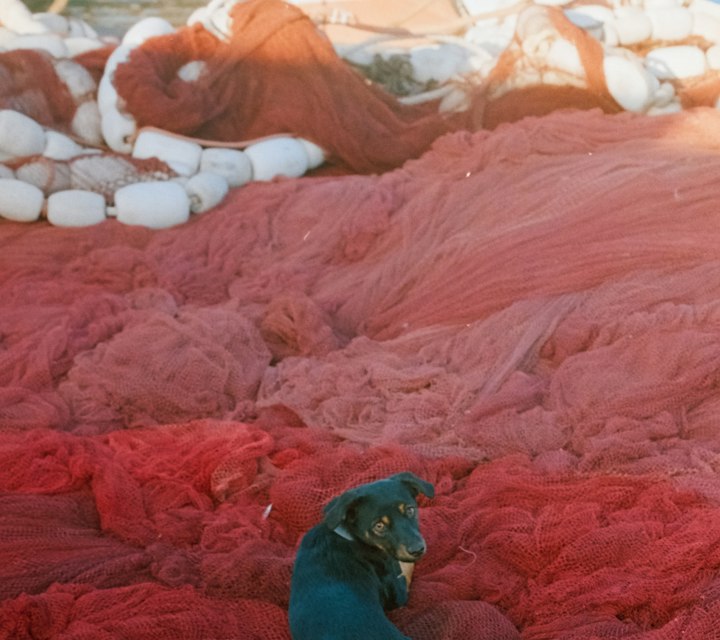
[417,550]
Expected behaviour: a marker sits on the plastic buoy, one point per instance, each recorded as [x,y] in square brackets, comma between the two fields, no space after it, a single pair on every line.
[682,61]
[231,164]
[182,156]
[20,136]
[277,157]
[206,190]
[118,130]
[315,154]
[632,25]
[75,208]
[49,42]
[145,29]
[59,147]
[627,83]
[20,201]
[156,205]
[671,23]
[87,123]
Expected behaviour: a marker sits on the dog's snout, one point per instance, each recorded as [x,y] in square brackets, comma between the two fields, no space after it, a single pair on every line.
[418,550]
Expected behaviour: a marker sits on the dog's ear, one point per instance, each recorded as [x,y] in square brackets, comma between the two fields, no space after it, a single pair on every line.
[337,510]
[415,484]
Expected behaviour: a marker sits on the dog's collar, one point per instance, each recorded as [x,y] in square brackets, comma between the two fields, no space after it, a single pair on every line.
[342,531]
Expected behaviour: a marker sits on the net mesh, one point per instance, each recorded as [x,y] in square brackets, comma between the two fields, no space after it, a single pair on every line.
[276,74]
[527,318]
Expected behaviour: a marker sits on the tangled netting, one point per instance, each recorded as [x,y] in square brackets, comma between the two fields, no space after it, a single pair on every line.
[275,74]
[529,318]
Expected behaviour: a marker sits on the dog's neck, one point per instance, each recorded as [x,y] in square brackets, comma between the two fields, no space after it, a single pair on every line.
[343,532]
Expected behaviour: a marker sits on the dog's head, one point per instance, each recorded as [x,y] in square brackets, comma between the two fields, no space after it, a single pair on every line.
[383,514]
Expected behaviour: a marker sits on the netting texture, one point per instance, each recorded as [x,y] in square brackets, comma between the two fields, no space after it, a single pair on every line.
[529,318]
[276,74]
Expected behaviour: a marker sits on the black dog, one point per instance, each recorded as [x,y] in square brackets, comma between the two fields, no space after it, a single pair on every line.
[358,562]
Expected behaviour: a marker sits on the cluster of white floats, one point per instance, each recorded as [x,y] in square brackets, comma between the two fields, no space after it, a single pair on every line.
[639,82]
[642,83]
[203,173]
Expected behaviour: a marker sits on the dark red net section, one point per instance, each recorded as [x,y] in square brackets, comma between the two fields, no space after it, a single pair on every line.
[527,318]
[154,532]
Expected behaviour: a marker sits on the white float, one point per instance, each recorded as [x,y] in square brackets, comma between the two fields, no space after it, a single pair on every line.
[315,154]
[118,130]
[706,26]
[20,136]
[277,157]
[682,61]
[563,55]
[671,23]
[54,22]
[157,205]
[107,97]
[631,25]
[75,208]
[713,57]
[14,15]
[536,31]
[6,172]
[232,164]
[594,12]
[78,28]
[206,190]
[145,29]
[664,95]
[182,156]
[192,71]
[76,78]
[20,201]
[586,22]
[86,123]
[49,42]
[58,146]
[628,82]
[439,62]
[81,44]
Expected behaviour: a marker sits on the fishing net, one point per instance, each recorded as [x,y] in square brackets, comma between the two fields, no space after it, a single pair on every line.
[276,74]
[527,318]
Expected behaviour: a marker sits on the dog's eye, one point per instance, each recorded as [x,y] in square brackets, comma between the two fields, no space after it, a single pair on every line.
[379,528]
[410,512]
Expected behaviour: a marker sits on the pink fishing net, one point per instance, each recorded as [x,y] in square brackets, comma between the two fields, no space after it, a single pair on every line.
[528,318]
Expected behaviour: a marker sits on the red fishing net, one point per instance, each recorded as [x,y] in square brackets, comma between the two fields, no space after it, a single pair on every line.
[527,318]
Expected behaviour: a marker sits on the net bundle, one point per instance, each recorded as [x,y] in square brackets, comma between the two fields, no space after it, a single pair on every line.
[276,73]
